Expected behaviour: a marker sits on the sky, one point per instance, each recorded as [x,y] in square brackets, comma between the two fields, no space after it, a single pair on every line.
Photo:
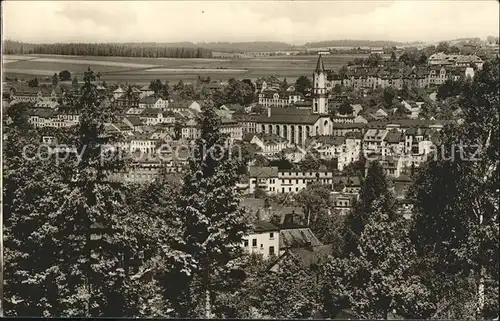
[295,22]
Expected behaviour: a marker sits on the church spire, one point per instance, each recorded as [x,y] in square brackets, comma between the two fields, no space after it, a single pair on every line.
[319,65]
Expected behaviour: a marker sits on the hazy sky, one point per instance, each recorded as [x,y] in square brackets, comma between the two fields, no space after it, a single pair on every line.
[294,22]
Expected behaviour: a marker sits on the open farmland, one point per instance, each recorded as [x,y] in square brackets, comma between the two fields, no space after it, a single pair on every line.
[143,70]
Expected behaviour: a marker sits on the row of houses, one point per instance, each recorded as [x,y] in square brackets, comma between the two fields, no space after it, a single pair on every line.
[442,59]
[420,77]
[22,93]
[57,117]
[344,189]
[272,98]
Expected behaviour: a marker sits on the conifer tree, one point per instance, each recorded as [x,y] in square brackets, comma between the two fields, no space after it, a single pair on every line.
[31,195]
[374,187]
[95,209]
[156,230]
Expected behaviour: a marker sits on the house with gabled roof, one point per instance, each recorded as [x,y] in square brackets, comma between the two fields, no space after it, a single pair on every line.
[269,144]
[32,94]
[153,116]
[146,91]
[133,122]
[182,105]
[118,92]
[263,239]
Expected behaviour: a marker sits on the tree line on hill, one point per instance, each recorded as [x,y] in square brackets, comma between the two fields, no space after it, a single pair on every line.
[106,49]
[353,43]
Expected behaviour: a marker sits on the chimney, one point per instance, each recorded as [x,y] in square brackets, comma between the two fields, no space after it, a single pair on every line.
[268,112]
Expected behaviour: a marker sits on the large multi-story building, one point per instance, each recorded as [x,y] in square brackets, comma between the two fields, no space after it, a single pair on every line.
[273,98]
[274,181]
[296,124]
[443,59]
[361,77]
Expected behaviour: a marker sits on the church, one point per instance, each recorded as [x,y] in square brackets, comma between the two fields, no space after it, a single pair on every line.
[295,124]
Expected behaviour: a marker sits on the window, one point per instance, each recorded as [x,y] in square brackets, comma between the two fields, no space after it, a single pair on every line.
[271,250]
[254,242]
[271,235]
[245,243]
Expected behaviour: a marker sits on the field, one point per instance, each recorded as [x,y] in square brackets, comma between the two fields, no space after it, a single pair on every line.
[143,70]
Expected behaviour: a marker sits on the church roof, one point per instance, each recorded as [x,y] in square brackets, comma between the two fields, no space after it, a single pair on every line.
[319,66]
[289,116]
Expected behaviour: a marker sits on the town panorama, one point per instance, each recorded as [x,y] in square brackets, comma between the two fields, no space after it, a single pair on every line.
[342,179]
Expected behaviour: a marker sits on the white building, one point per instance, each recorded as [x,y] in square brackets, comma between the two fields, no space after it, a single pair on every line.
[274,181]
[118,93]
[264,239]
[268,143]
[154,116]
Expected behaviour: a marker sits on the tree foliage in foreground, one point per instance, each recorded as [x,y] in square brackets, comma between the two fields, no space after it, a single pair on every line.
[378,280]
[212,222]
[455,227]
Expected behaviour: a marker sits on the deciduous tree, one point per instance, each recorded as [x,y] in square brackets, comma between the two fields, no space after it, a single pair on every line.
[303,85]
[456,198]
[378,279]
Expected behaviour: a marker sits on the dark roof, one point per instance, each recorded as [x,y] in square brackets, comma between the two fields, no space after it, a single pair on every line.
[134,120]
[311,255]
[263,172]
[353,135]
[328,140]
[264,226]
[180,104]
[151,112]
[298,237]
[319,66]
[289,116]
[347,125]
[67,110]
[393,136]
[270,138]
[41,112]
[148,100]
[245,117]
[248,137]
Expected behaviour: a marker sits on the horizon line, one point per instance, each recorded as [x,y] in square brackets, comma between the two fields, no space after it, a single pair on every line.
[238,42]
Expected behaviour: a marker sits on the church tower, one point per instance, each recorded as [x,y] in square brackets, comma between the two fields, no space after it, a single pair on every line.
[319,89]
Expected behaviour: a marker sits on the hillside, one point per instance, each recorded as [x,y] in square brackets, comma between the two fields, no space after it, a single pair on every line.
[354,43]
[246,46]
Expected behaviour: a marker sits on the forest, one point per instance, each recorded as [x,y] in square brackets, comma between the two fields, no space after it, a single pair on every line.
[106,49]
